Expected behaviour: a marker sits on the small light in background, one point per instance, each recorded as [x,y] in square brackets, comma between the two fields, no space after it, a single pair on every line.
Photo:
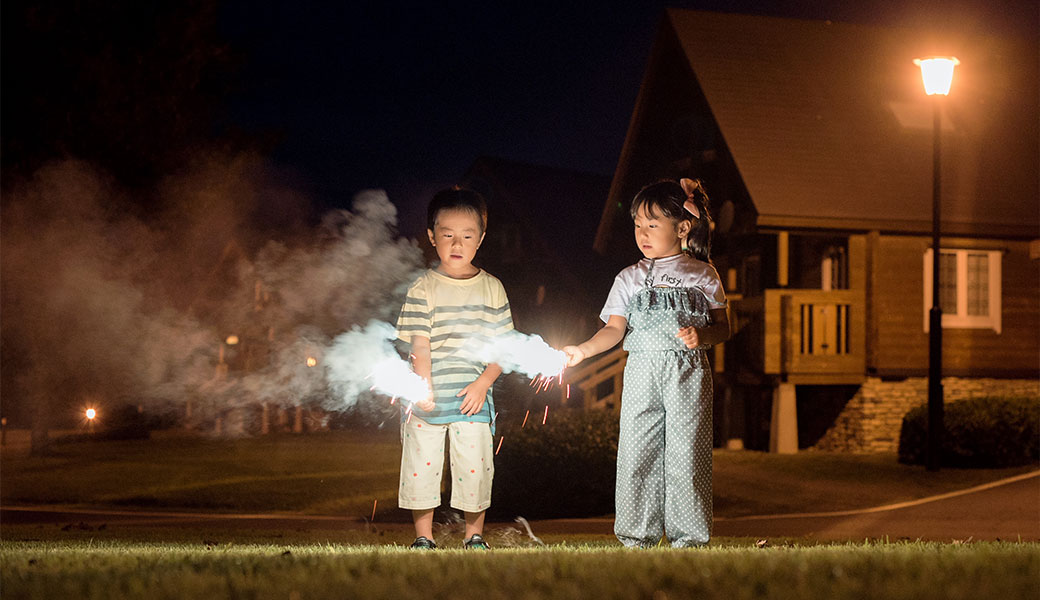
[231,340]
[91,414]
[311,361]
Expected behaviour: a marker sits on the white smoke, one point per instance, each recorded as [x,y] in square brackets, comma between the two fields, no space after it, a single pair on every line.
[365,359]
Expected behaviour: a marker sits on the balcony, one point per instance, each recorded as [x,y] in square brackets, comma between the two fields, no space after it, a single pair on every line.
[806,336]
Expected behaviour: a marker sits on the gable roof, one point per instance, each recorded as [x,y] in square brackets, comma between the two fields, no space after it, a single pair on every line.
[829,127]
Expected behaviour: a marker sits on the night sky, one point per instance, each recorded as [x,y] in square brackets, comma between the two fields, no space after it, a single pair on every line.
[404,96]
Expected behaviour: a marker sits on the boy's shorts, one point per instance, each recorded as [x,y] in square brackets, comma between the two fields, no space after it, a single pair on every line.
[422,458]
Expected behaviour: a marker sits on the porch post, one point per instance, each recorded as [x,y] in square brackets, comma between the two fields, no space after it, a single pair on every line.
[783,429]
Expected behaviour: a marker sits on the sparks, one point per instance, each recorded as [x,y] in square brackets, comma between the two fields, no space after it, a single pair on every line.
[568,391]
[392,400]
[374,503]
[546,415]
[526,414]
[500,440]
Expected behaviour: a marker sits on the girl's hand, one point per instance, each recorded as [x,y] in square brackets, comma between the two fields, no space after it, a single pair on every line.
[574,355]
[475,396]
[689,336]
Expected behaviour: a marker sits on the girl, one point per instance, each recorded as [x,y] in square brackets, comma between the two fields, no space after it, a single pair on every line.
[673,307]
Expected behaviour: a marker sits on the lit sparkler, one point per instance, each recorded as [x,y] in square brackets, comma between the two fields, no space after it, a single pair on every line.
[517,352]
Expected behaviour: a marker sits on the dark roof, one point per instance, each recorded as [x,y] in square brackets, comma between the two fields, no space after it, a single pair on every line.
[829,126]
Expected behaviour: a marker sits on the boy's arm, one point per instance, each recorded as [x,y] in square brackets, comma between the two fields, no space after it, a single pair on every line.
[604,339]
[476,392]
[422,365]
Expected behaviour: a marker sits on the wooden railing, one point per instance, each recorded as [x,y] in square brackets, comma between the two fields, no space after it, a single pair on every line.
[600,381]
[808,336]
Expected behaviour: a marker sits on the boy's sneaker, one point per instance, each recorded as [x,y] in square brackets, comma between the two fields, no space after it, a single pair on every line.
[423,543]
[476,542]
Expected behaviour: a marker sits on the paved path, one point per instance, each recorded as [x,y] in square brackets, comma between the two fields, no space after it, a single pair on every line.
[1006,510]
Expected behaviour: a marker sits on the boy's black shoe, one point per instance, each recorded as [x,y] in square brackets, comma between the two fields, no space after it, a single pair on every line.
[423,543]
[476,542]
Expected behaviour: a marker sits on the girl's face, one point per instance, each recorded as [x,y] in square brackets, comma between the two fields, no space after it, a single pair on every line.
[456,235]
[659,236]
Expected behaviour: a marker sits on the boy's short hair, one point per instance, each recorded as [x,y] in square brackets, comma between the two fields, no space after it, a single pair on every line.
[457,199]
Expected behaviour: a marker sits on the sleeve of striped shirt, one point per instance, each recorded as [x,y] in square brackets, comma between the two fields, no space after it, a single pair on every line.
[504,322]
[415,318]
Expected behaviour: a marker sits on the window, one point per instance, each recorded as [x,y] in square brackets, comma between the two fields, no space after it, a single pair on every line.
[969,288]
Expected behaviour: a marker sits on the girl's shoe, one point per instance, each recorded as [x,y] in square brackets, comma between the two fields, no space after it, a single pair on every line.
[423,543]
[476,542]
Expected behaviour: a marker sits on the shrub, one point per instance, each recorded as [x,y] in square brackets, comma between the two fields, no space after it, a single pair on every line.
[979,433]
[565,468]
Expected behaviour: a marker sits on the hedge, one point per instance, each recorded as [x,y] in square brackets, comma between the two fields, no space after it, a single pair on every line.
[979,433]
[565,468]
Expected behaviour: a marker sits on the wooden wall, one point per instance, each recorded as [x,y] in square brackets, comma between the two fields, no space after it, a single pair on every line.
[896,315]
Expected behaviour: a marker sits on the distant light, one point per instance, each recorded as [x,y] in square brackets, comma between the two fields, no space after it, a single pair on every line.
[91,413]
[311,361]
[231,340]
[937,73]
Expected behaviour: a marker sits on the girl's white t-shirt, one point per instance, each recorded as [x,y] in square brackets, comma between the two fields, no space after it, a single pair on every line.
[680,270]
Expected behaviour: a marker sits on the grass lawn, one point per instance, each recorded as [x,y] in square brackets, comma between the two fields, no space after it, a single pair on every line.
[342,473]
[104,569]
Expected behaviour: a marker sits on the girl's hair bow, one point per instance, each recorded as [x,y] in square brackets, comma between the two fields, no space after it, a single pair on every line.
[690,186]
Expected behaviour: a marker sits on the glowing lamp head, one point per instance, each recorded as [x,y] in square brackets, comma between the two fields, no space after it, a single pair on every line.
[311,361]
[231,340]
[937,73]
[91,414]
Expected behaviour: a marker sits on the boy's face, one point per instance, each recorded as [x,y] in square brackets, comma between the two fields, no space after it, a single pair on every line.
[456,235]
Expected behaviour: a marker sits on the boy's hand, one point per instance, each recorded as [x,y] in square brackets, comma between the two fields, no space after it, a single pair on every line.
[574,355]
[427,404]
[689,336]
[475,396]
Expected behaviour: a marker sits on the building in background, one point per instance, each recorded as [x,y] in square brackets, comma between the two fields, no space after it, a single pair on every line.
[814,140]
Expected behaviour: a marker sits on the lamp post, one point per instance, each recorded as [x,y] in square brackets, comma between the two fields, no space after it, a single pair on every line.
[937,73]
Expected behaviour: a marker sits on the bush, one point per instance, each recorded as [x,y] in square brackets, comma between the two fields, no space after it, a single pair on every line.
[979,433]
[565,468]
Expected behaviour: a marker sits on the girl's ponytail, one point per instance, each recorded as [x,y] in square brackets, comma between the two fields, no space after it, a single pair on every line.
[698,241]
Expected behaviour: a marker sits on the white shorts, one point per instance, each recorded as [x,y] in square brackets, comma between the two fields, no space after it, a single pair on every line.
[422,458]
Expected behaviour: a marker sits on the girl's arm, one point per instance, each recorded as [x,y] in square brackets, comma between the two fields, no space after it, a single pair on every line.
[716,333]
[422,365]
[604,339]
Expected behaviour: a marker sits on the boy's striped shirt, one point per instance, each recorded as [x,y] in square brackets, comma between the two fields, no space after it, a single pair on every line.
[449,312]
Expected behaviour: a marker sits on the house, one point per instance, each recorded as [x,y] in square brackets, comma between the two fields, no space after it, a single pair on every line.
[814,140]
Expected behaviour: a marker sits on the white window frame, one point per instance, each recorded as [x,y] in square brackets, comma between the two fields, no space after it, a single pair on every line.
[961,319]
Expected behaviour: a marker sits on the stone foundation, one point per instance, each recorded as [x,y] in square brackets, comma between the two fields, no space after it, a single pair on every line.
[872,419]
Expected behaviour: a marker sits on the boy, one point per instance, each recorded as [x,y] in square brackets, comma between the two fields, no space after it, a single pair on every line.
[447,305]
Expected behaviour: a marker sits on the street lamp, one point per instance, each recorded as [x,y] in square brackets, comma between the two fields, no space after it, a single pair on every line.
[937,74]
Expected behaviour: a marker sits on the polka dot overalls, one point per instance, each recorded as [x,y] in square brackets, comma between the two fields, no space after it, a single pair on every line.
[664,450]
